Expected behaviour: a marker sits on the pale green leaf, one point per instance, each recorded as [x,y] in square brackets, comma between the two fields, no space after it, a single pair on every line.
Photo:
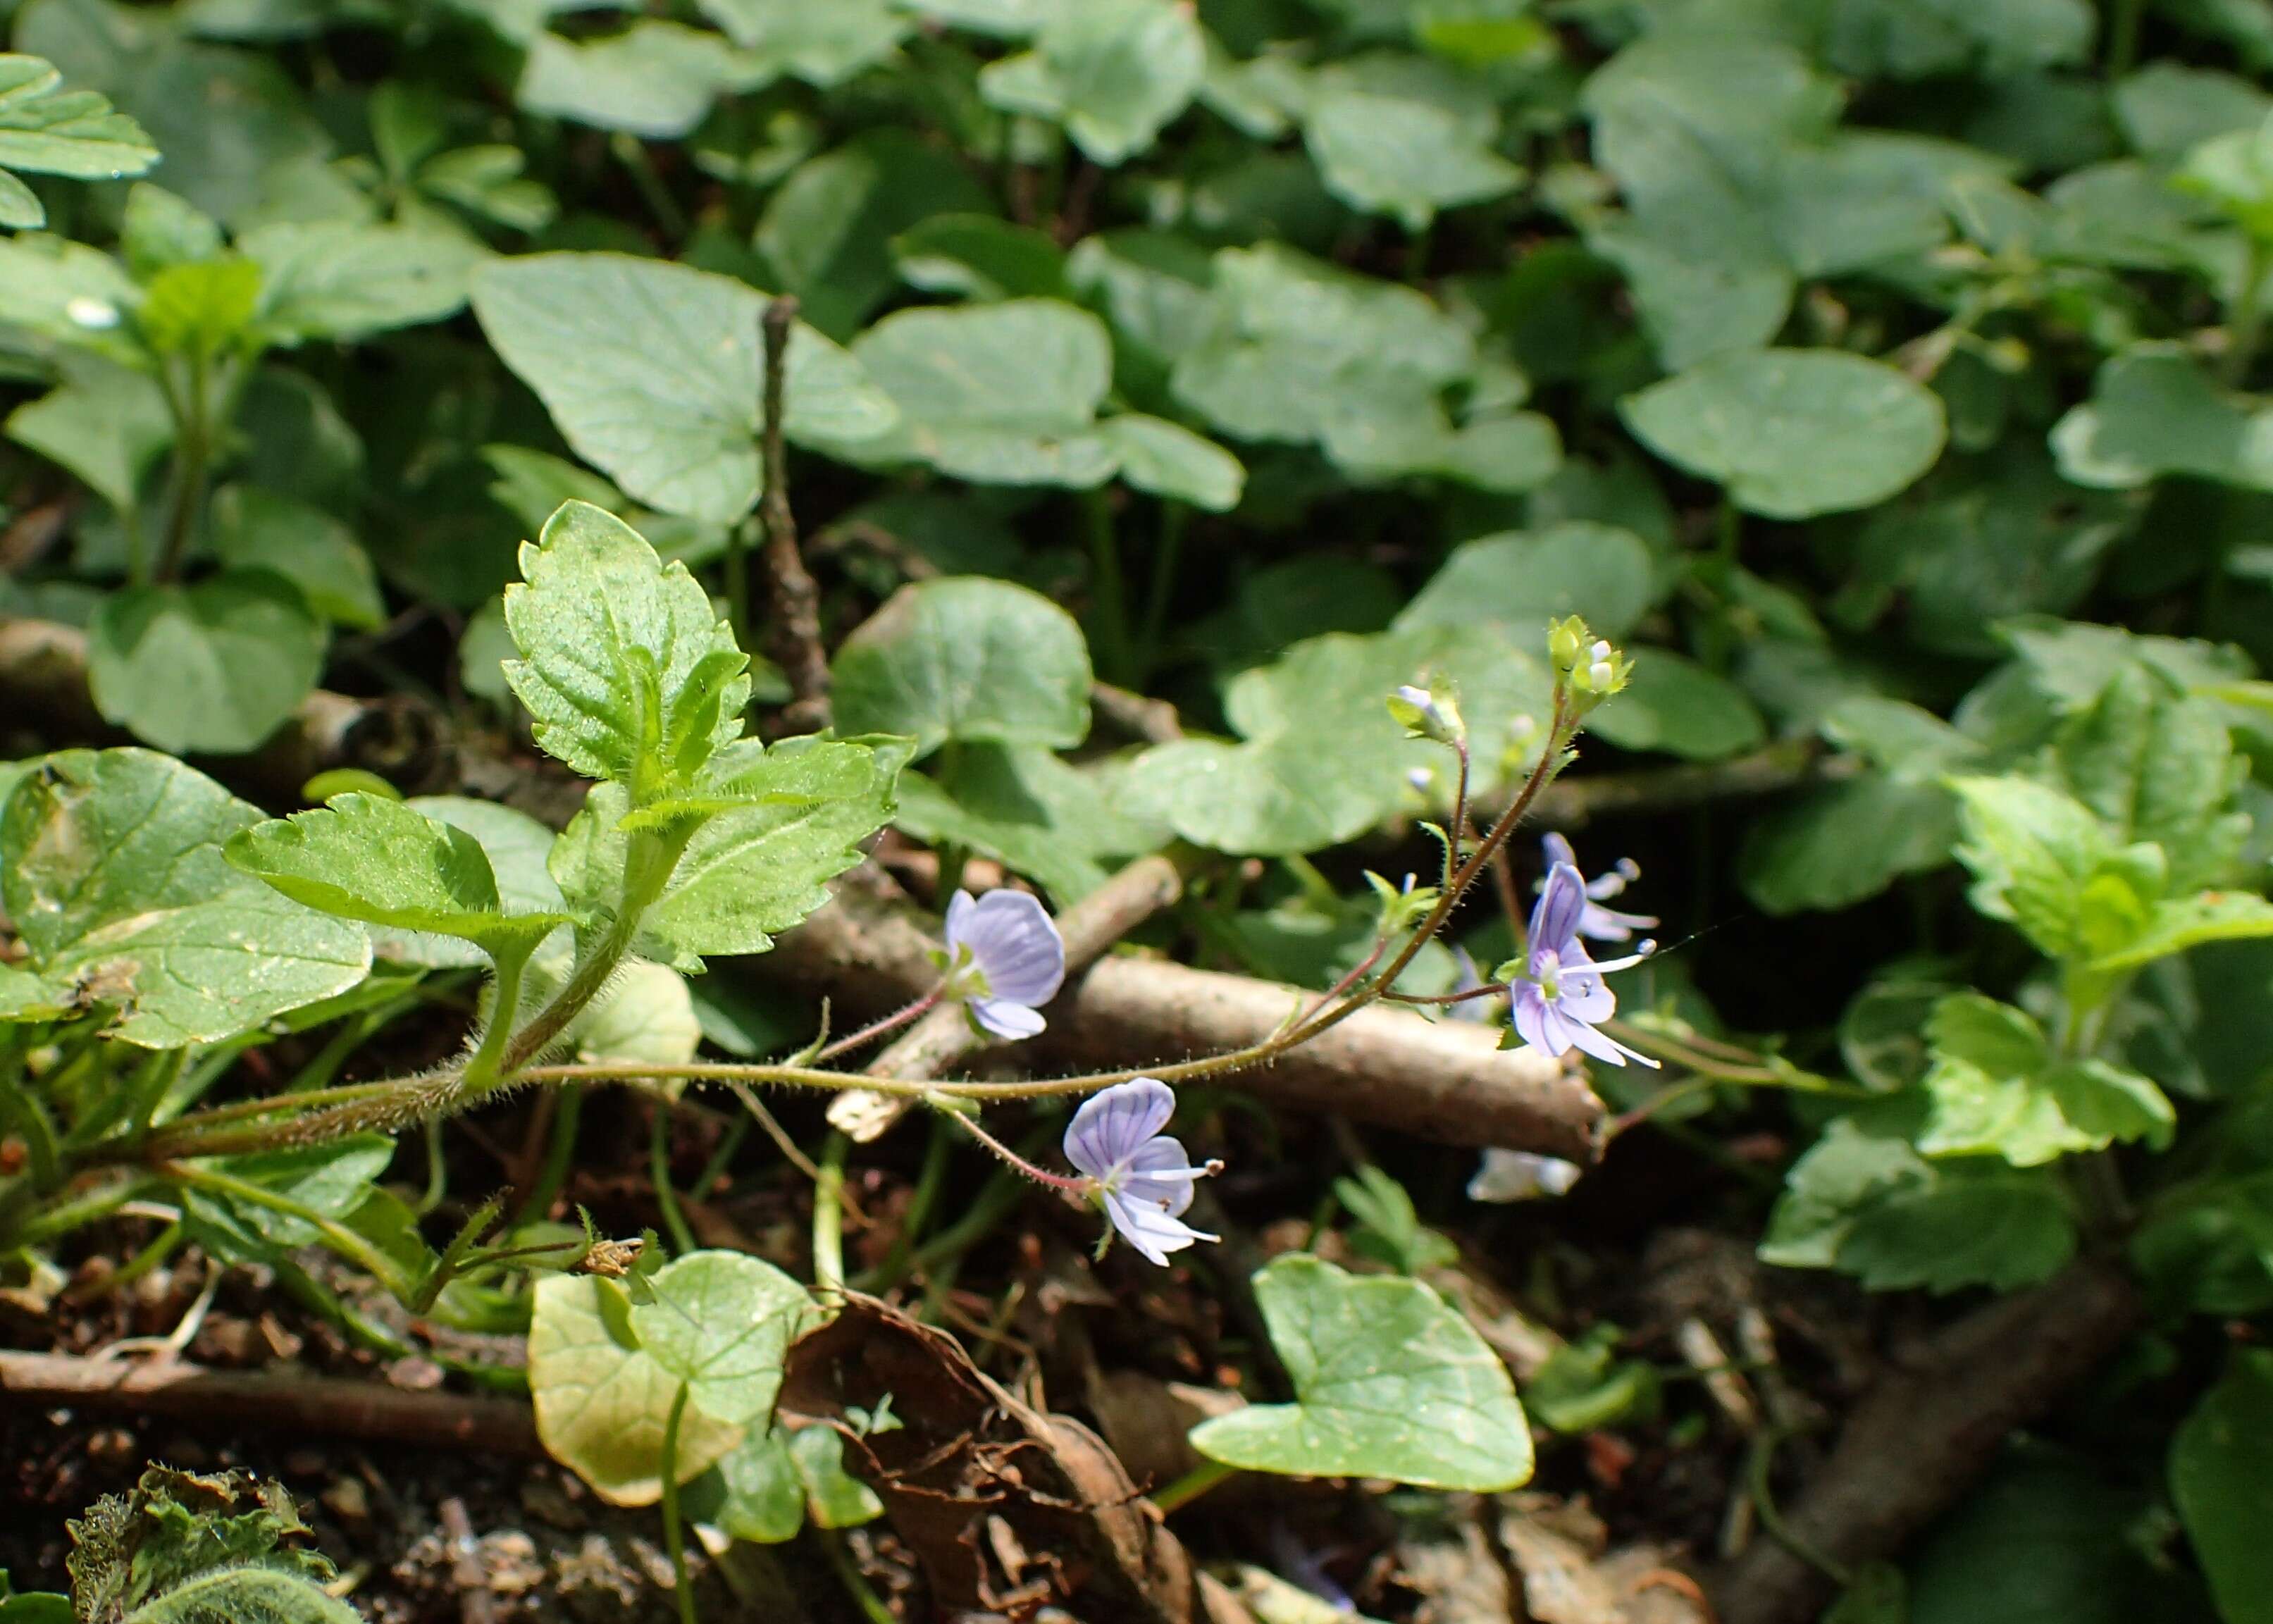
[821,44]
[645,1015]
[656,78]
[51,129]
[978,257]
[1405,136]
[49,284]
[653,371]
[1030,810]
[602,1401]
[104,422]
[517,847]
[2175,925]
[366,857]
[1170,460]
[253,529]
[2156,411]
[1793,432]
[1003,394]
[330,1180]
[626,669]
[344,280]
[965,658]
[214,667]
[2032,850]
[1112,72]
[1390,1381]
[1525,580]
[747,873]
[111,867]
[722,1322]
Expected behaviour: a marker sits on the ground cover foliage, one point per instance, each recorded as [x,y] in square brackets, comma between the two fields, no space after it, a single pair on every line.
[538,536]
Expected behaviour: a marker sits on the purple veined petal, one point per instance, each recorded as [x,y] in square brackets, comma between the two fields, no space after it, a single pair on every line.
[1152,1231]
[1608,924]
[1530,1016]
[1558,850]
[958,920]
[1162,1175]
[1554,920]
[1013,940]
[1605,1048]
[1005,1018]
[1113,1123]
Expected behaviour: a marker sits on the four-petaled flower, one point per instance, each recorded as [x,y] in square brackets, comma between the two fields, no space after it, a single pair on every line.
[1005,959]
[1521,1176]
[1562,997]
[1604,925]
[1141,1176]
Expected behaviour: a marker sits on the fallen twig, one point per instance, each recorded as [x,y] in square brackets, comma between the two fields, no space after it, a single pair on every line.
[796,602]
[329,1406]
[1927,1430]
[1447,1081]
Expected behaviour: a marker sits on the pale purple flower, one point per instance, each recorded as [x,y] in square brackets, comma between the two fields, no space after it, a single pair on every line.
[1603,924]
[1005,959]
[1144,1178]
[1563,997]
[1521,1176]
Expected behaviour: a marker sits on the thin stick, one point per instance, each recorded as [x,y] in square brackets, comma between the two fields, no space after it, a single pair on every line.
[796,602]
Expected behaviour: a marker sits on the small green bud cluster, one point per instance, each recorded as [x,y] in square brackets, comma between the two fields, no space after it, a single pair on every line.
[1430,713]
[1588,668]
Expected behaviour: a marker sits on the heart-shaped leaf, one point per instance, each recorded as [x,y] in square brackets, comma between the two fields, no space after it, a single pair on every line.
[722,1322]
[1390,1381]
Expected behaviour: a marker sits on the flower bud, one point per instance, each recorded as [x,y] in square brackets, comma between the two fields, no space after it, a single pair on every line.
[1427,713]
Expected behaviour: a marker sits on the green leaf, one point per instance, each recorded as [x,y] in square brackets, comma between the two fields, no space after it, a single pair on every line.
[253,529]
[829,233]
[2167,108]
[1856,1164]
[2032,850]
[626,669]
[2154,412]
[1114,73]
[2156,765]
[104,422]
[998,393]
[656,79]
[338,278]
[46,283]
[516,846]
[1996,1038]
[1844,843]
[215,666]
[1525,580]
[1170,460]
[1792,433]
[366,857]
[2004,1230]
[1390,1381]
[52,131]
[332,1180]
[229,122]
[200,309]
[1673,704]
[2187,922]
[722,1322]
[645,1015]
[1405,136]
[2220,1476]
[747,873]
[965,658]
[823,45]
[111,866]
[653,372]
[602,1401]
[2050,1539]
[771,1483]
[978,257]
